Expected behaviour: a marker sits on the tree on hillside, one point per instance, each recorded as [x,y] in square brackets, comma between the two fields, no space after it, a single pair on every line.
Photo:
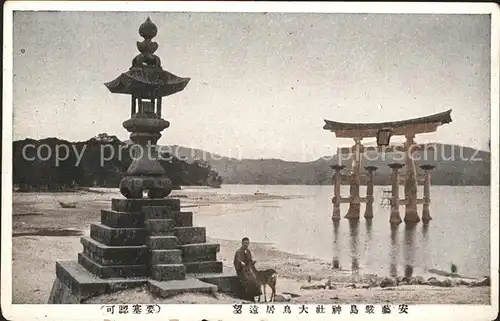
[34,173]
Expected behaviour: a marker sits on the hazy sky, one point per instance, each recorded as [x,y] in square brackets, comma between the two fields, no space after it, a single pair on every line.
[261,84]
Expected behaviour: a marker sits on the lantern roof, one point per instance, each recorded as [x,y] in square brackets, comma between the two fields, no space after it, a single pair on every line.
[146,78]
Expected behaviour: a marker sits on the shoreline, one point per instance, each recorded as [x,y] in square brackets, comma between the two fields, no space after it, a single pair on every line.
[35,254]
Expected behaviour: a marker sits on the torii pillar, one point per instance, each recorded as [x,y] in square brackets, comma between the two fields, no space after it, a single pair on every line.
[336,191]
[395,218]
[426,216]
[369,191]
[355,203]
[411,214]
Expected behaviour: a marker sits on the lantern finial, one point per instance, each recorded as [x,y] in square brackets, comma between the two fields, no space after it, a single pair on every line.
[148,29]
[147,47]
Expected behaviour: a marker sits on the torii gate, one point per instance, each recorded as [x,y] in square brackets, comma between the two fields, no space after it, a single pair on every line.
[383,132]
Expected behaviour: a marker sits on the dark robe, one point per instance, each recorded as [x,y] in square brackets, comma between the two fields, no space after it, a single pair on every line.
[247,274]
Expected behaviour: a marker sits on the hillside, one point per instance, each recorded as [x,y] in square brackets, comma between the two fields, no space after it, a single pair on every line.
[91,163]
[198,167]
[469,167]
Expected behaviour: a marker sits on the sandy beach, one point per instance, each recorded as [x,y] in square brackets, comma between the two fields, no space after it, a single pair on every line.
[43,233]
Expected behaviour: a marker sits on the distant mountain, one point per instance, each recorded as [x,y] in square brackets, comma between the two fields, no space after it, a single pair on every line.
[455,165]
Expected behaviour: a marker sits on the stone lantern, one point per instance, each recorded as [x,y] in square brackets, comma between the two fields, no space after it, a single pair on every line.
[146,82]
[144,241]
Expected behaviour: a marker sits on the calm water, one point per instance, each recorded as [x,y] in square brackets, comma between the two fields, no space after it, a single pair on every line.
[459,232]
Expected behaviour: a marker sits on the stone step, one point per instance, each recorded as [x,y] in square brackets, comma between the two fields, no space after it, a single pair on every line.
[191,235]
[136,205]
[193,250]
[159,213]
[122,219]
[211,256]
[204,267]
[112,271]
[183,219]
[166,257]
[168,272]
[155,211]
[114,255]
[226,282]
[170,288]
[118,236]
[160,227]
[163,242]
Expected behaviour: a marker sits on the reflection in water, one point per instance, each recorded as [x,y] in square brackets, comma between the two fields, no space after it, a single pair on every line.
[393,270]
[425,231]
[369,229]
[425,246]
[353,231]
[336,245]
[409,248]
[457,210]
[368,241]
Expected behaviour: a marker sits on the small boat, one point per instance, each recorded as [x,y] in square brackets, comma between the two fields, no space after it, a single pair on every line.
[67,205]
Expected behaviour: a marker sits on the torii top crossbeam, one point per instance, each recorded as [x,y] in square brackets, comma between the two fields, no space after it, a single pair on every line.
[419,125]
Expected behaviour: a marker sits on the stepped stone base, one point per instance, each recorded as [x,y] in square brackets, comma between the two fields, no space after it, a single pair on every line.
[138,242]
[74,284]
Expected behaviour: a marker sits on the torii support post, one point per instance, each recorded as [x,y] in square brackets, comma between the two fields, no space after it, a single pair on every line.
[426,216]
[355,203]
[395,218]
[369,192]
[411,214]
[336,191]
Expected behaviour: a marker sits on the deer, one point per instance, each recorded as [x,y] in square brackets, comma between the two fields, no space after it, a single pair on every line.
[267,277]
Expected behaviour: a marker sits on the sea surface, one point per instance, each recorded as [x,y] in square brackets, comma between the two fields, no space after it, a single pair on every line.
[459,232]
